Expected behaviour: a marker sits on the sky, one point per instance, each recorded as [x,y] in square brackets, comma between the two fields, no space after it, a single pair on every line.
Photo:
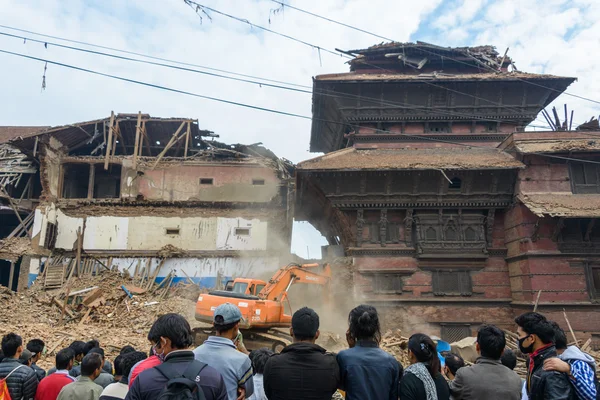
[550,36]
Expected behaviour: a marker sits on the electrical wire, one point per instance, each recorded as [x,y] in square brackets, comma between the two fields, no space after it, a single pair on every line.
[254,107]
[323,92]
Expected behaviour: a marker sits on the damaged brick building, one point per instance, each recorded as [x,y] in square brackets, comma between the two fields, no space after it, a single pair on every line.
[452,216]
[158,197]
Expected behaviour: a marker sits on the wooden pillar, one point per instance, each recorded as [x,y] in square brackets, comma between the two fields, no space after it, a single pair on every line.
[109,140]
[187,139]
[12,275]
[91,182]
[138,129]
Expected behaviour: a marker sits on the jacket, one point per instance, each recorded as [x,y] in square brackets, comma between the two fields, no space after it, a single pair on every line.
[115,391]
[104,379]
[50,387]
[411,388]
[143,365]
[235,367]
[543,384]
[22,383]
[82,389]
[41,374]
[302,371]
[368,373]
[151,382]
[583,372]
[487,379]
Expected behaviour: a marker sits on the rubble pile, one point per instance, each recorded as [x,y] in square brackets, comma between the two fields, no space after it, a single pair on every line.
[110,307]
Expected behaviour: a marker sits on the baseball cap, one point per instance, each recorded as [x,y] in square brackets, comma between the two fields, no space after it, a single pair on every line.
[226,313]
[25,356]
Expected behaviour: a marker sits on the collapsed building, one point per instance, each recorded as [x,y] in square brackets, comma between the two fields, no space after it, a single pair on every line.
[451,214]
[157,197]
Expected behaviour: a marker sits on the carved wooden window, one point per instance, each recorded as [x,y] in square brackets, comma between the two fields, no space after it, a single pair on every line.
[374,232]
[455,332]
[50,238]
[593,280]
[392,232]
[584,178]
[455,185]
[471,235]
[452,283]
[431,233]
[387,283]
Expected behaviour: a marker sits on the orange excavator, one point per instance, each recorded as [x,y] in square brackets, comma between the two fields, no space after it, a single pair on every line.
[262,304]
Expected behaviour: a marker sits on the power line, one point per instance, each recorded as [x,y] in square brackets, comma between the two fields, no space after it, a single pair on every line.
[289,114]
[323,92]
[152,57]
[392,40]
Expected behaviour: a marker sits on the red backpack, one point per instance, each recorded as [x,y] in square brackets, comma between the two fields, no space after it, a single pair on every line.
[4,394]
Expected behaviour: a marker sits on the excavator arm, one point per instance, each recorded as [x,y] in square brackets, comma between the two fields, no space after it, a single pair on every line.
[281,282]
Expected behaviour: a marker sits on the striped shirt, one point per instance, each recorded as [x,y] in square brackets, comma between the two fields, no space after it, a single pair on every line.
[582,378]
[235,367]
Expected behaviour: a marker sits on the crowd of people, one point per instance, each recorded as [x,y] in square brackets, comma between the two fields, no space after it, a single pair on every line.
[223,369]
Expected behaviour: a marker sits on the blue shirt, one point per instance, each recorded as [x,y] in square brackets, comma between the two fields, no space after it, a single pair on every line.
[368,373]
[583,380]
[235,367]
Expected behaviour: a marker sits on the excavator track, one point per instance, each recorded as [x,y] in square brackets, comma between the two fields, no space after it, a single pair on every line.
[274,339]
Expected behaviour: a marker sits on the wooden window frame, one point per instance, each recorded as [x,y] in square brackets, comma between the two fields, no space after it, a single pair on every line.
[585,188]
[382,277]
[465,283]
[593,291]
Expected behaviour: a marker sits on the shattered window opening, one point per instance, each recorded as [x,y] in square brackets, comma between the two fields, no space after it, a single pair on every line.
[242,231]
[107,183]
[75,181]
[455,185]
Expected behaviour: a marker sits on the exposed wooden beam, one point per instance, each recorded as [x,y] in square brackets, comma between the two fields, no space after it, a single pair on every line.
[187,139]
[138,128]
[175,138]
[109,140]
[91,183]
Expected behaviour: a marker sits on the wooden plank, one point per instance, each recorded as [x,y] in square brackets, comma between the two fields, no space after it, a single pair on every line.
[188,277]
[155,274]
[91,179]
[136,145]
[147,140]
[570,329]
[92,297]
[79,245]
[174,139]
[59,305]
[187,139]
[109,140]
[64,306]
[11,275]
[85,317]
[537,300]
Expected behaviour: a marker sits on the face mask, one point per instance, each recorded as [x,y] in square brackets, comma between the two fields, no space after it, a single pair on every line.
[161,356]
[525,350]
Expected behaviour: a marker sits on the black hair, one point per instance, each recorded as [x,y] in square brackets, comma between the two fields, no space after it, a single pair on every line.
[305,324]
[259,359]
[92,344]
[1,355]
[129,360]
[425,352]
[560,337]
[536,324]
[363,323]
[454,362]
[509,359]
[36,346]
[172,326]
[63,358]
[78,347]
[224,327]
[127,349]
[118,364]
[10,344]
[90,363]
[97,350]
[491,341]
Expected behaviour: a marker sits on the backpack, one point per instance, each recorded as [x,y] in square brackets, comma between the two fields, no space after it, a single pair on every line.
[184,386]
[4,394]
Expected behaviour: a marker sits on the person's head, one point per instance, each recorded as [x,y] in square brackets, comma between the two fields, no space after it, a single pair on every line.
[36,347]
[127,349]
[509,359]
[78,348]
[259,359]
[98,350]
[168,333]
[91,365]
[534,331]
[560,338]
[226,320]
[490,342]
[12,345]
[305,325]
[453,363]
[363,323]
[92,344]
[129,360]
[65,359]
[26,357]
[422,349]
[118,364]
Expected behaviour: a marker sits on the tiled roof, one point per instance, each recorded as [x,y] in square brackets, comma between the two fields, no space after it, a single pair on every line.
[11,132]
[408,158]
[562,204]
